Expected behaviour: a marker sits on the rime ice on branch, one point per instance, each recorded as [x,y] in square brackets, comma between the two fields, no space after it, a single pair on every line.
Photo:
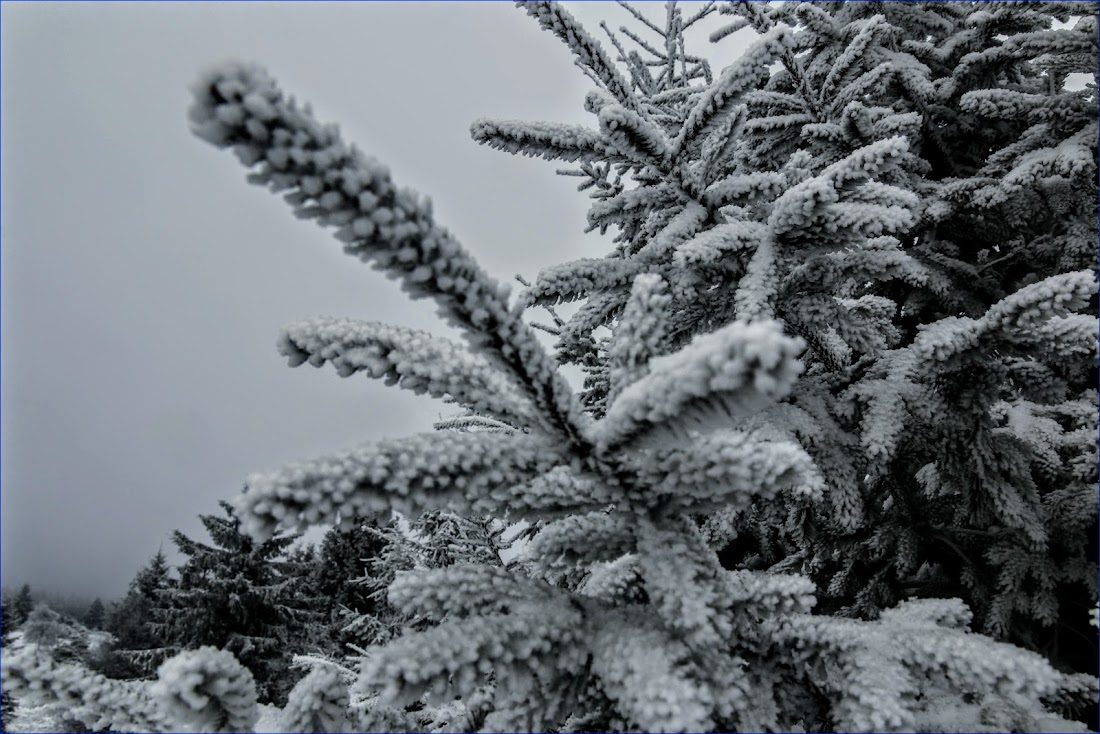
[240,107]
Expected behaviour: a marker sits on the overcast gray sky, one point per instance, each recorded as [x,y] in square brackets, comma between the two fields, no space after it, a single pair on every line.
[144,282]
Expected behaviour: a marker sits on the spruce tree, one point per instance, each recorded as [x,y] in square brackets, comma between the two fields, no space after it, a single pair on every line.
[132,622]
[959,467]
[831,327]
[366,618]
[941,168]
[355,567]
[7,710]
[235,595]
[22,605]
[7,620]
[96,615]
[7,702]
[300,567]
[339,583]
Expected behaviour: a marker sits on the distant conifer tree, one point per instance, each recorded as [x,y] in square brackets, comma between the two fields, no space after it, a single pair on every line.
[236,595]
[7,627]
[22,605]
[342,561]
[7,619]
[96,615]
[132,622]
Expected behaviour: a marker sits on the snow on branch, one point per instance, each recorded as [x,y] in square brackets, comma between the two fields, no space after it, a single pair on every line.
[1058,295]
[756,292]
[409,475]
[733,371]
[879,661]
[727,468]
[824,204]
[630,132]
[1073,158]
[749,70]
[647,672]
[681,576]
[571,281]
[741,188]
[535,638]
[549,140]
[411,359]
[640,333]
[588,538]
[1035,315]
[318,703]
[90,697]
[751,594]
[207,690]
[463,590]
[712,245]
[590,55]
[867,31]
[685,223]
[1067,108]
[560,491]
[240,107]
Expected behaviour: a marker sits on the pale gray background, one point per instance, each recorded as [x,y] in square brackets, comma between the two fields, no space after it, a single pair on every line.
[144,282]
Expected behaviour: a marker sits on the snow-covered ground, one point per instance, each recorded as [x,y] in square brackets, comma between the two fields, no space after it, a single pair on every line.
[50,718]
[271,719]
[36,719]
[97,639]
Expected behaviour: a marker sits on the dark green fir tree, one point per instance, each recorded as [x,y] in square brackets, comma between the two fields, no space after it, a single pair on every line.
[22,606]
[237,595]
[138,647]
[96,616]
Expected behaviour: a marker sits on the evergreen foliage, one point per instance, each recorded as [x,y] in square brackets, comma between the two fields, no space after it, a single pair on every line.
[7,710]
[235,595]
[96,616]
[7,620]
[22,605]
[7,702]
[436,539]
[138,643]
[895,196]
[842,356]
[204,690]
[340,583]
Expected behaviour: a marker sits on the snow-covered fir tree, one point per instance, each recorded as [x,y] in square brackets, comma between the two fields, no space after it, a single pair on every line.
[340,586]
[847,336]
[436,539]
[22,605]
[964,485]
[7,702]
[357,566]
[96,616]
[236,595]
[138,643]
[876,199]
